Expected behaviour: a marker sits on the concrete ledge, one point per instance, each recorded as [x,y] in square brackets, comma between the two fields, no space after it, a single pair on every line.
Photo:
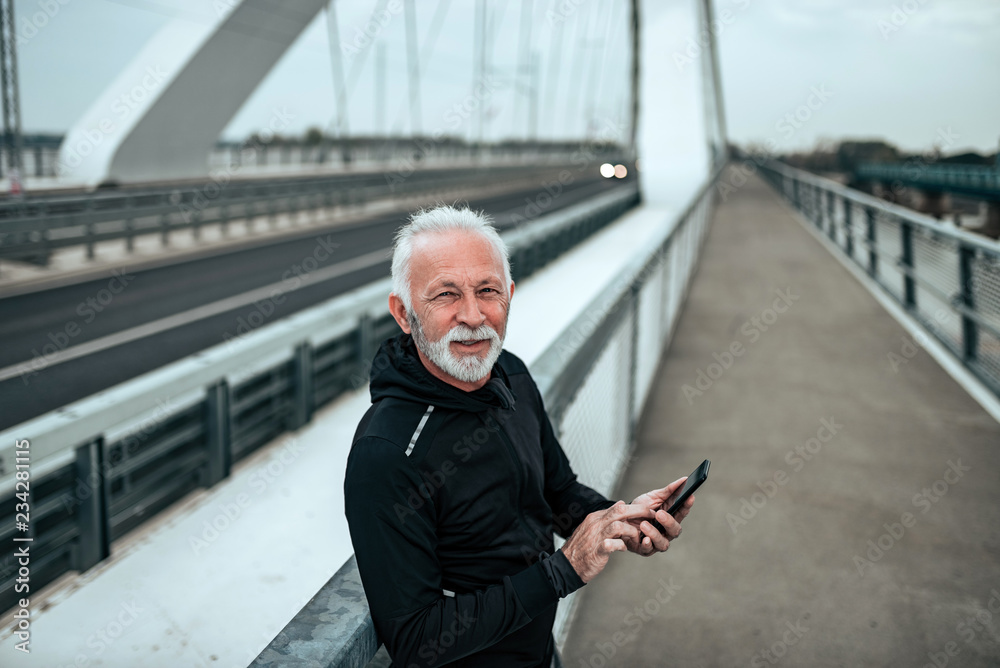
[333,629]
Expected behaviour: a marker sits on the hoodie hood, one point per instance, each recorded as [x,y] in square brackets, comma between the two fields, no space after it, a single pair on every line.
[398,372]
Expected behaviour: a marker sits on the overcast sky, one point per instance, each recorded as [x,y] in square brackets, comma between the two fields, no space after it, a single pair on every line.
[794,71]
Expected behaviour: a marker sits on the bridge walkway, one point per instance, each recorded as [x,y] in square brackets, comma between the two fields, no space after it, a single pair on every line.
[852,515]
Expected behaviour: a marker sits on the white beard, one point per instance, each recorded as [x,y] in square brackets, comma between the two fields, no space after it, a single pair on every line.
[466,368]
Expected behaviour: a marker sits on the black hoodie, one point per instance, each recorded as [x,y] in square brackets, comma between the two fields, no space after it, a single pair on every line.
[452,498]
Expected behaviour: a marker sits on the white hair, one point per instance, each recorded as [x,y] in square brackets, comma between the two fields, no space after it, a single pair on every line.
[443,218]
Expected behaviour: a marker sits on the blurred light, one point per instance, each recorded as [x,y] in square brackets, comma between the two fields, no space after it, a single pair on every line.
[607,170]
[637,165]
[620,171]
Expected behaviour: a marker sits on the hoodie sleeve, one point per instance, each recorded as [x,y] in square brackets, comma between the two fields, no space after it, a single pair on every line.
[570,500]
[393,531]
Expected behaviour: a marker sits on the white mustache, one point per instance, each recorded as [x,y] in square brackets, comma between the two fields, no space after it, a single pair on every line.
[463,333]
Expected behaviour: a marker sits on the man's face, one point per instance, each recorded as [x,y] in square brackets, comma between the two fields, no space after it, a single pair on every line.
[460,306]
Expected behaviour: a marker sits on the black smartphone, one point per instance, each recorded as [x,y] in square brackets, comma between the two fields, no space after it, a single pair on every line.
[694,481]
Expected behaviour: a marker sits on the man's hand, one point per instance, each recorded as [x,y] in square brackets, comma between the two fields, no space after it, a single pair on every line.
[600,534]
[659,500]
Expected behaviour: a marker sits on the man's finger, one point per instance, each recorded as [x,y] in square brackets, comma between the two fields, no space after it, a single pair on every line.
[671,525]
[659,541]
[674,487]
[625,511]
[614,545]
[664,493]
[623,530]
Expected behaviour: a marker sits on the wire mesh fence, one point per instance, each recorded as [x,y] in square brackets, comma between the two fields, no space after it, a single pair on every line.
[596,424]
[947,279]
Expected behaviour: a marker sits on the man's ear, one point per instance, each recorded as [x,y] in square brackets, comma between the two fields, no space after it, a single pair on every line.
[510,292]
[398,311]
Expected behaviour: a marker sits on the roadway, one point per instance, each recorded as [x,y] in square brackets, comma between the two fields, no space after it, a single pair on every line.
[207,301]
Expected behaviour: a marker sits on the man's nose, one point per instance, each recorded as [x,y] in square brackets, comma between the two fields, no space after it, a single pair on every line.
[469,313]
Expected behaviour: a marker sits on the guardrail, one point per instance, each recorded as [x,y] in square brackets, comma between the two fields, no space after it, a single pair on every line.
[102,465]
[36,226]
[40,153]
[594,381]
[946,278]
[969,179]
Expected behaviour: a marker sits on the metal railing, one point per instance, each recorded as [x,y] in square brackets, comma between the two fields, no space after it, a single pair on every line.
[32,228]
[40,153]
[969,179]
[103,465]
[594,381]
[946,278]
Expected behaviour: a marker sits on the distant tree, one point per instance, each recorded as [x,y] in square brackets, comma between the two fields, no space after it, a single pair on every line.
[852,153]
[313,137]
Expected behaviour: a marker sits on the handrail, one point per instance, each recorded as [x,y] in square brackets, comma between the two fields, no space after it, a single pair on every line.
[35,226]
[945,278]
[976,177]
[863,199]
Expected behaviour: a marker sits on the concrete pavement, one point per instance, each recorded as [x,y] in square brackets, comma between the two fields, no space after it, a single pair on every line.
[852,513]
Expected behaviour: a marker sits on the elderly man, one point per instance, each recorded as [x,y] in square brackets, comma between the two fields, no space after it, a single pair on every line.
[456,481]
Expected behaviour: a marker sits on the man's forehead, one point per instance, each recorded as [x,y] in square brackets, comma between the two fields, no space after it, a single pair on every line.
[437,255]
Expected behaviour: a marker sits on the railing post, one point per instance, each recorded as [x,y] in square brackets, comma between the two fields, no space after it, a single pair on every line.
[909,285]
[832,231]
[303,385]
[872,250]
[129,225]
[633,361]
[89,229]
[217,433]
[970,333]
[795,193]
[848,227]
[91,499]
[164,229]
